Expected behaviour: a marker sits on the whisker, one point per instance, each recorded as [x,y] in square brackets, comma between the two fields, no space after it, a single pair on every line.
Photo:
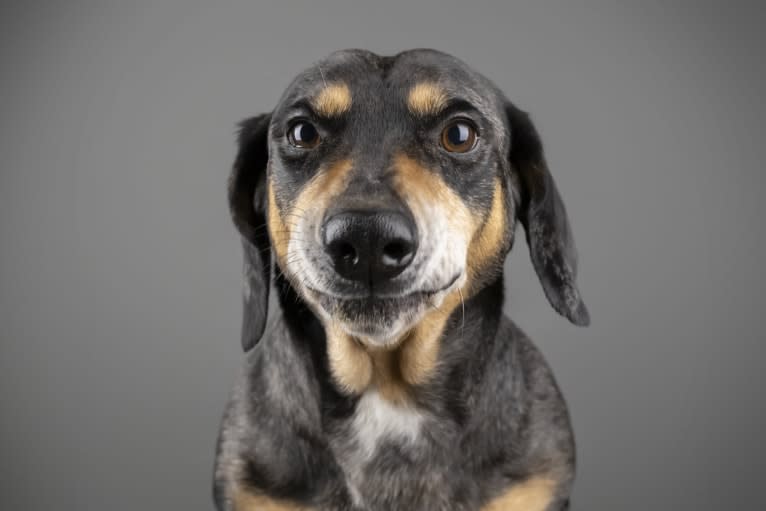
[462,323]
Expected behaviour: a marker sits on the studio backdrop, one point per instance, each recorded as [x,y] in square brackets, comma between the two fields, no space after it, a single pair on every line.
[120,269]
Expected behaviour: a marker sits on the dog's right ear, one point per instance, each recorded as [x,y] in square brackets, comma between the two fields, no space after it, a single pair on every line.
[247,202]
[542,212]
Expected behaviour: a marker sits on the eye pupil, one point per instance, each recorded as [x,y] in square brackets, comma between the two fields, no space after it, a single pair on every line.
[458,134]
[307,132]
[459,137]
[304,134]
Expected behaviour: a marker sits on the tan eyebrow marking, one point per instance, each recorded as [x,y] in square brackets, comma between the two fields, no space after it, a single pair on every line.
[333,100]
[426,98]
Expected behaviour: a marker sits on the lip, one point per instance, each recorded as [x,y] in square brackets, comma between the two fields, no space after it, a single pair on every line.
[424,293]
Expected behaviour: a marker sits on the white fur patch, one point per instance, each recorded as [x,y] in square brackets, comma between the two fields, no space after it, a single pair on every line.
[443,250]
[376,419]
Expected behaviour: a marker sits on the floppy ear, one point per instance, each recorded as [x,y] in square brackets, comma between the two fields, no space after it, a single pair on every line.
[542,212]
[247,201]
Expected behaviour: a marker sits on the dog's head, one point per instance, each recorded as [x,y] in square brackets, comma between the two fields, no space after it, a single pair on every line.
[383,185]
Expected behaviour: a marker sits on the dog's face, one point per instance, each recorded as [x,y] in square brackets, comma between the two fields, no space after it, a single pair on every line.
[387,184]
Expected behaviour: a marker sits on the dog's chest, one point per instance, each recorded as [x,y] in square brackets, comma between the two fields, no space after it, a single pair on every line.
[377,420]
[387,453]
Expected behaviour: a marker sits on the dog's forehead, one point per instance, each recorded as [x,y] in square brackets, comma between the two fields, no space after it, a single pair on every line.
[419,79]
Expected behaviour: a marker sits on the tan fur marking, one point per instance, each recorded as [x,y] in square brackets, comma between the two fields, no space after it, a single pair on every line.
[279,232]
[327,184]
[350,364]
[486,243]
[420,187]
[357,367]
[426,98]
[333,100]
[246,501]
[534,494]
[420,351]
[323,187]
[388,377]
[422,190]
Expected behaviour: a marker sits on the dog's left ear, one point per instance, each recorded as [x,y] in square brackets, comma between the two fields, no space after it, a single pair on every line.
[247,202]
[542,212]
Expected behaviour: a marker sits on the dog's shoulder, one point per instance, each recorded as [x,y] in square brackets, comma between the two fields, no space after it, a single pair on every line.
[537,405]
[522,427]
[270,439]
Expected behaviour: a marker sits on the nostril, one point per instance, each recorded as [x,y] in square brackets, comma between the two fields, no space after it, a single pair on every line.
[397,253]
[343,251]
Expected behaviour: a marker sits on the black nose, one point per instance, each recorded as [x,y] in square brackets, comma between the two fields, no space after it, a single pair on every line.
[370,247]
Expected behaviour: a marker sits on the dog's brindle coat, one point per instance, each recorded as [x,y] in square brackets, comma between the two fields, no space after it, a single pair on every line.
[406,390]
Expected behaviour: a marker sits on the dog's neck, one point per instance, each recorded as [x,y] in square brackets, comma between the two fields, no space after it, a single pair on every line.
[436,348]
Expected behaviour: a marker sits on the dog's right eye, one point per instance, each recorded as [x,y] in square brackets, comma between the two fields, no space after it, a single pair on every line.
[459,136]
[303,134]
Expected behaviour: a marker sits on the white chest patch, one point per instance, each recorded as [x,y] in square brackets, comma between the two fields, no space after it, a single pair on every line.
[376,419]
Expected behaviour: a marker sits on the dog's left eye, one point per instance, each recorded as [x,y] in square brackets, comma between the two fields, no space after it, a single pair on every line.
[303,134]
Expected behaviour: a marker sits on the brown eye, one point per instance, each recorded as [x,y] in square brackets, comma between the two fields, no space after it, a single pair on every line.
[459,137]
[303,135]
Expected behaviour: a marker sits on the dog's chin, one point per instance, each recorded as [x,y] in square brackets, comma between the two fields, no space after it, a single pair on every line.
[380,322]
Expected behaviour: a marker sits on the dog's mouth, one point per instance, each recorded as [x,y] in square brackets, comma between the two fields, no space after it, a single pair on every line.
[372,295]
[380,319]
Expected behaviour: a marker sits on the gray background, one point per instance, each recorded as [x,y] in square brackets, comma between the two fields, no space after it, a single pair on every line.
[120,270]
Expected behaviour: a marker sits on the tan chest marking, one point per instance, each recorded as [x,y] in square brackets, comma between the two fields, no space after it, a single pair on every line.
[534,494]
[246,501]
[357,367]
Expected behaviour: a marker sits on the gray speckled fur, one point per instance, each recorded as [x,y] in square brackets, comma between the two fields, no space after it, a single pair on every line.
[517,425]
[490,415]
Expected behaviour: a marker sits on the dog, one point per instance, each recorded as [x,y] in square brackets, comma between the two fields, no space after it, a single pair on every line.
[384,193]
